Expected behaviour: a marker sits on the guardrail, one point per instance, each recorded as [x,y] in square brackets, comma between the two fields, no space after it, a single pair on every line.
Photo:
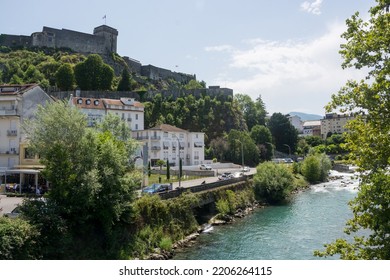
[204,187]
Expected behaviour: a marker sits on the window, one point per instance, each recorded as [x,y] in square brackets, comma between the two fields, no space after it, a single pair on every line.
[96,102]
[79,101]
[88,101]
[28,154]
[136,116]
[136,126]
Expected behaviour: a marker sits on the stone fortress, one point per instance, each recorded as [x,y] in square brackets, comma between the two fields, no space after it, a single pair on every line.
[103,41]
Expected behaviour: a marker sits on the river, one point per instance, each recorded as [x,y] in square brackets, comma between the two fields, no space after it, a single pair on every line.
[288,232]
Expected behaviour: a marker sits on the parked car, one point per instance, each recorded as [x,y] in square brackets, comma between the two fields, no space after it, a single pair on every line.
[205,167]
[237,174]
[288,160]
[225,176]
[14,213]
[157,188]
[245,169]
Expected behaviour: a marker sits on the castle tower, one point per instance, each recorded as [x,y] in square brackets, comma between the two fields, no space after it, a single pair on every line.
[110,35]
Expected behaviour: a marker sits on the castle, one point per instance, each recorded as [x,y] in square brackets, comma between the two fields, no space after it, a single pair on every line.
[103,41]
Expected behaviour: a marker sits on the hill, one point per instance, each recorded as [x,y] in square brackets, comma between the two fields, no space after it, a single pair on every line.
[305,116]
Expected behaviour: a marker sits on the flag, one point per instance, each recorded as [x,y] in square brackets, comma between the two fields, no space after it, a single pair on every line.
[104,17]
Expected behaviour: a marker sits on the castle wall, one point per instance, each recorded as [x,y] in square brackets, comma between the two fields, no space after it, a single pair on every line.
[134,65]
[77,41]
[15,40]
[156,73]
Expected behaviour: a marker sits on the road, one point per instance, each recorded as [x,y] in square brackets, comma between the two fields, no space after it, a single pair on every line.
[196,182]
[9,203]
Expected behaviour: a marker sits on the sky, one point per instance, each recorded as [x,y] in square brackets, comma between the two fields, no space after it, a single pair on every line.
[285,51]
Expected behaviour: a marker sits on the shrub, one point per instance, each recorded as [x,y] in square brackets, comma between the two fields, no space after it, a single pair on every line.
[18,240]
[273,182]
[166,243]
[222,206]
[315,168]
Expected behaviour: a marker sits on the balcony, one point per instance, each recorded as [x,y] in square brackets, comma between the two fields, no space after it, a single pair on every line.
[129,119]
[142,137]
[8,112]
[154,137]
[12,132]
[155,148]
[12,151]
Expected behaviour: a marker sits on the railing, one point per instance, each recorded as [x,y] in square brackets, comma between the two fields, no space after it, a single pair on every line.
[155,137]
[204,187]
[142,137]
[156,148]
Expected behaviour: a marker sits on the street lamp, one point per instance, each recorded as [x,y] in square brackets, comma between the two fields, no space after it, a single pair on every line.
[289,149]
[242,152]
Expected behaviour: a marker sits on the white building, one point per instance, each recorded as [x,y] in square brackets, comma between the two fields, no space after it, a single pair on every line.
[312,128]
[296,122]
[17,103]
[167,142]
[334,123]
[127,109]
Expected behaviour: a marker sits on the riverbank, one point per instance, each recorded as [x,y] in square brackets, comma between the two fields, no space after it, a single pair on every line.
[217,220]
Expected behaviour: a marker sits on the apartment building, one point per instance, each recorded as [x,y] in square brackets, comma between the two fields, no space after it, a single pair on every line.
[17,103]
[312,128]
[167,142]
[334,123]
[129,110]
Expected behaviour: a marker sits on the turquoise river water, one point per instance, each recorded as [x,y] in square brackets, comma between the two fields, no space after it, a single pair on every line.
[289,232]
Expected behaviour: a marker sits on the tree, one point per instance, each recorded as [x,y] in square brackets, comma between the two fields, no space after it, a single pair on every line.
[254,112]
[315,168]
[90,189]
[367,48]
[284,133]
[94,74]
[168,171]
[273,182]
[65,77]
[240,142]
[263,138]
[125,82]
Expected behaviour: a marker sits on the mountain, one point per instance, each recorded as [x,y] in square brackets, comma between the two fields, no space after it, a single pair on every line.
[306,117]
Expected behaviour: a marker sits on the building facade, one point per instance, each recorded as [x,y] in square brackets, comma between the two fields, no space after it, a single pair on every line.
[296,122]
[312,128]
[167,142]
[334,123]
[129,110]
[17,104]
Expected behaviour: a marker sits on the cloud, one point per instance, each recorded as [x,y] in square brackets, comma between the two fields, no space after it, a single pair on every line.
[312,7]
[290,75]
[221,48]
